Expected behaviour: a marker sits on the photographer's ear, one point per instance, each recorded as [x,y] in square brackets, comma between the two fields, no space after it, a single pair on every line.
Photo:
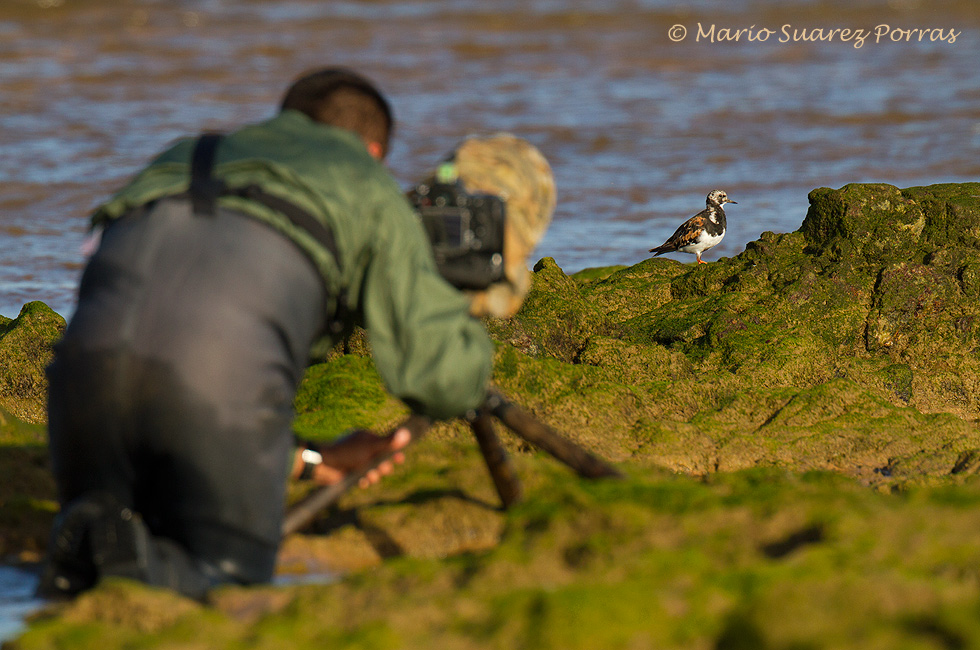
[376,150]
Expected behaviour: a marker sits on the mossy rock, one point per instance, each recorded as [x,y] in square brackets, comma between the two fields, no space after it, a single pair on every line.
[343,393]
[952,212]
[761,558]
[873,222]
[798,424]
[25,350]
[555,319]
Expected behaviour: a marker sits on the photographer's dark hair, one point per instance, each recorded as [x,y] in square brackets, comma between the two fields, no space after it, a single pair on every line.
[342,98]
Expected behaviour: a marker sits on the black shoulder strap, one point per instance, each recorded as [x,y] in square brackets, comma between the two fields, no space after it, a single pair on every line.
[306,221]
[205,188]
[297,215]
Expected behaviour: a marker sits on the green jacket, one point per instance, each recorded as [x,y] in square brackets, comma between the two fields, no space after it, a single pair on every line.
[429,351]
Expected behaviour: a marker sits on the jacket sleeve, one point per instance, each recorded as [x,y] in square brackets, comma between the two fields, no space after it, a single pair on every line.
[428,350]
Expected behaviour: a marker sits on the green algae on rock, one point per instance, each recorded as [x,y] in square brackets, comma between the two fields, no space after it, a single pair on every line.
[751,402]
[863,324]
[759,558]
[343,393]
[27,503]
[774,357]
[25,351]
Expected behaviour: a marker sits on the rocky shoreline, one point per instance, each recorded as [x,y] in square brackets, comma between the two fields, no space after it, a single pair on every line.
[799,424]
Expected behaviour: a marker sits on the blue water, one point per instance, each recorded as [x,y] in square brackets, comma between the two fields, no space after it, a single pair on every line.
[638,128]
[16,600]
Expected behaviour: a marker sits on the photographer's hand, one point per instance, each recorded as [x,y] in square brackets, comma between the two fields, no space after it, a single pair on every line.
[353,452]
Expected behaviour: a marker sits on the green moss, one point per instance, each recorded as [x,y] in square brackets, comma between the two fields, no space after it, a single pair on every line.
[952,213]
[765,557]
[342,394]
[633,290]
[27,494]
[798,425]
[25,351]
[14,431]
[555,320]
[596,273]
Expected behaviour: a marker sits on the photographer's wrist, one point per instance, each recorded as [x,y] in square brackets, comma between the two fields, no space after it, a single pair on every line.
[310,459]
[306,456]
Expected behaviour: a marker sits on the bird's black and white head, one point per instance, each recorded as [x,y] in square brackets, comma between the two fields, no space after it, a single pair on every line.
[716,198]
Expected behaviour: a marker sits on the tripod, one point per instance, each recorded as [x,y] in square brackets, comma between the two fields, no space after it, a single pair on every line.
[498,461]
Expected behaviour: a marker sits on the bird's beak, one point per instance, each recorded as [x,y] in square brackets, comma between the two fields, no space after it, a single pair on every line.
[727,200]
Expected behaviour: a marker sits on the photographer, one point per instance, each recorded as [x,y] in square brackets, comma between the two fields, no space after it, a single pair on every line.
[221,266]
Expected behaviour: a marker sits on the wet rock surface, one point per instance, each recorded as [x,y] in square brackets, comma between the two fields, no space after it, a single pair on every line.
[799,428]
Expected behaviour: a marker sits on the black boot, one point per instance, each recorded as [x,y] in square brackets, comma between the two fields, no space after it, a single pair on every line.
[94,536]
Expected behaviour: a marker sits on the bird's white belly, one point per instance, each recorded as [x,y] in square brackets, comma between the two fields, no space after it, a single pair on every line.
[702,243]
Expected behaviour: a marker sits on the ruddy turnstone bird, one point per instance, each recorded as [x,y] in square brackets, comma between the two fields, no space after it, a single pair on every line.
[702,231]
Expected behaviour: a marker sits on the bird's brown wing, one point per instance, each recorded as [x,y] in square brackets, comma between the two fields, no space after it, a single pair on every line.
[687,233]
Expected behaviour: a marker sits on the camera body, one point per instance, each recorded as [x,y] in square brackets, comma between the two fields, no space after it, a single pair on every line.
[466,232]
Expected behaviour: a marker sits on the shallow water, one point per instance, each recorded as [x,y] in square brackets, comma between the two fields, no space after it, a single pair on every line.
[638,128]
[16,599]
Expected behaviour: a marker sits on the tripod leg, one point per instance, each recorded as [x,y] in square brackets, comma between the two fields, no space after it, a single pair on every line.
[498,462]
[542,436]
